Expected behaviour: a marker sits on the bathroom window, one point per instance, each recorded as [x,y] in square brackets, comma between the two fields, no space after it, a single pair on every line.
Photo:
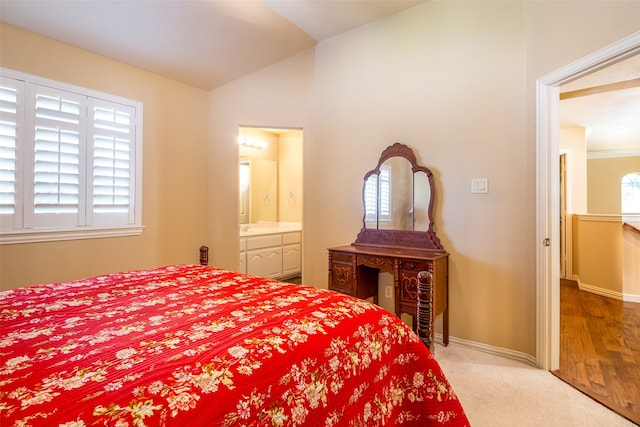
[630,192]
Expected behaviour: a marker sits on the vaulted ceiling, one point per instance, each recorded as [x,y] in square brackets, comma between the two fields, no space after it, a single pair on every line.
[207,43]
[204,43]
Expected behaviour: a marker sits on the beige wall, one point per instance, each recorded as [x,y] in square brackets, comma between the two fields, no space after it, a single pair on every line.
[249,101]
[455,93]
[291,177]
[174,167]
[456,82]
[606,256]
[598,256]
[603,179]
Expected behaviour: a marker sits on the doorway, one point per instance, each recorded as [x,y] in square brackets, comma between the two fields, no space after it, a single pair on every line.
[548,181]
[270,197]
[598,116]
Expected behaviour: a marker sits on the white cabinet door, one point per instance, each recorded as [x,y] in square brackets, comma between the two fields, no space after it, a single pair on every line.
[291,260]
[256,262]
[273,264]
[265,262]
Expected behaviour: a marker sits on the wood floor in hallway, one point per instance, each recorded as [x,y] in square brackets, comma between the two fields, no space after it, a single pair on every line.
[600,348]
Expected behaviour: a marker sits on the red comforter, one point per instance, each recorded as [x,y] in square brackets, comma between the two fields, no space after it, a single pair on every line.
[200,346]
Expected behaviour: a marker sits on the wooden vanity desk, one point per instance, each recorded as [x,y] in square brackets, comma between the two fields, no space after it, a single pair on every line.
[354,269]
[398,237]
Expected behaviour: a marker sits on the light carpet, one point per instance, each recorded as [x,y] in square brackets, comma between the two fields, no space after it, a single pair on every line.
[496,391]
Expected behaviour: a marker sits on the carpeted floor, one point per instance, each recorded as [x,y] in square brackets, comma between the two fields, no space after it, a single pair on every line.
[497,391]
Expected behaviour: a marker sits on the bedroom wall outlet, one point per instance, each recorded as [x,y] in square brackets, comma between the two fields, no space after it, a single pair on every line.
[388,292]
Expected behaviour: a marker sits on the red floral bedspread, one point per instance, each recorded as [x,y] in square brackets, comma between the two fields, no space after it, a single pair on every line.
[200,346]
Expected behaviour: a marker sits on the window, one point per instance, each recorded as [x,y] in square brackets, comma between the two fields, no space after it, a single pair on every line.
[630,192]
[371,195]
[70,161]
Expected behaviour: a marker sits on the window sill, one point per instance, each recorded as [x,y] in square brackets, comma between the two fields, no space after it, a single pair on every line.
[34,236]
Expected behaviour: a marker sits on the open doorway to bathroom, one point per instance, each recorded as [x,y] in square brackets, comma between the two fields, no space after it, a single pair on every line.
[270,197]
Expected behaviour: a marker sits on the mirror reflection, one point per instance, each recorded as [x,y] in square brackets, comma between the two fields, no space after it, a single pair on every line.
[396,197]
[421,201]
[397,200]
[258,190]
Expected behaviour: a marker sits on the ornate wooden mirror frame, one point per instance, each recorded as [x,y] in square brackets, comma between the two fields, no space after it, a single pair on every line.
[407,238]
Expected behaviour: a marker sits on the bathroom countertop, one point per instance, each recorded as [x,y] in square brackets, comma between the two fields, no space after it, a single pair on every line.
[260,228]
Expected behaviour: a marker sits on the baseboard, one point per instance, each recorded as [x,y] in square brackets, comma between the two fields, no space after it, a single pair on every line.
[620,296]
[630,298]
[600,291]
[497,351]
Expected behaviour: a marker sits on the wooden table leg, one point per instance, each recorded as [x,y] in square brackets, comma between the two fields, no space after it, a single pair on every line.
[445,326]
[425,309]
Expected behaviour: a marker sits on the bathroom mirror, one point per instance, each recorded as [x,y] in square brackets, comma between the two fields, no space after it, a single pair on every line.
[398,199]
[258,190]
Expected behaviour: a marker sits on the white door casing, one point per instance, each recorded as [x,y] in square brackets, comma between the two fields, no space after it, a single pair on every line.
[548,185]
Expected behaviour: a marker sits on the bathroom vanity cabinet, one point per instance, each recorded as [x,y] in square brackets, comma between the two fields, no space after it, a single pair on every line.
[275,255]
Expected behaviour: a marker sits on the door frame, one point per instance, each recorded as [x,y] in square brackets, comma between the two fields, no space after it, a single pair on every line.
[548,187]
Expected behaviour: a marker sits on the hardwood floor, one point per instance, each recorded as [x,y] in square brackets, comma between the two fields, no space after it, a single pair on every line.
[296,280]
[600,348]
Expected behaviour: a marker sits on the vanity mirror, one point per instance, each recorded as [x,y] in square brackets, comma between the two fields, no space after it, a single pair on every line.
[398,199]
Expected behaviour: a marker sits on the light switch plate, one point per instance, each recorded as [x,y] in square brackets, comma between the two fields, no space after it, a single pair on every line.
[479,185]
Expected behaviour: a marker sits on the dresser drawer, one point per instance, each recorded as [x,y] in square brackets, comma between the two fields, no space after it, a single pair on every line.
[342,257]
[408,283]
[342,277]
[415,265]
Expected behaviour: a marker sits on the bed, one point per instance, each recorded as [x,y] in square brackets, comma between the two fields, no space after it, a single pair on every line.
[197,345]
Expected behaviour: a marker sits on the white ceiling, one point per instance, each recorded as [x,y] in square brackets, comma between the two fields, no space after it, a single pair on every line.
[611,119]
[206,43]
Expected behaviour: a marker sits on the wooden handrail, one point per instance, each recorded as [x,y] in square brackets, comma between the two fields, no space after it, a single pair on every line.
[631,228]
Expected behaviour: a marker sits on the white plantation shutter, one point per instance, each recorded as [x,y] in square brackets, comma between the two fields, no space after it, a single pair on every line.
[371,198]
[58,158]
[112,183]
[385,193]
[11,113]
[70,161]
[371,201]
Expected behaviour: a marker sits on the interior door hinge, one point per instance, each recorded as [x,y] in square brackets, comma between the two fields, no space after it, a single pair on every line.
[546,242]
